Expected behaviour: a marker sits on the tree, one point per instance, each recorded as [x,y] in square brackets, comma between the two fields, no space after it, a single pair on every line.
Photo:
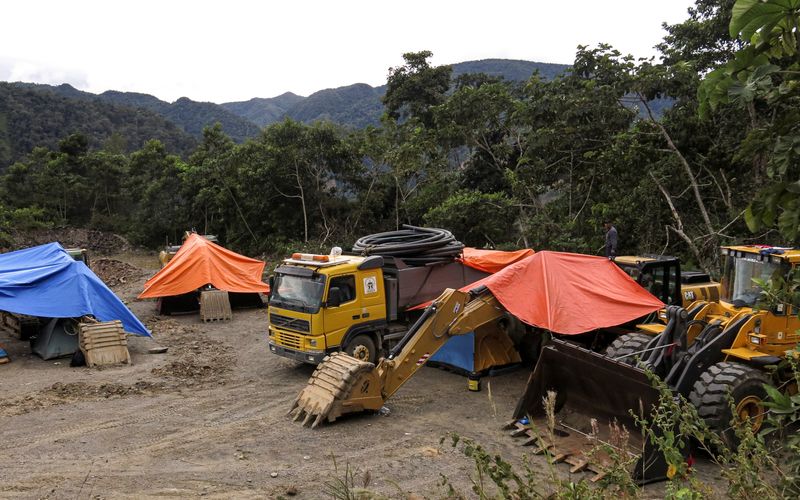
[412,89]
[763,78]
[154,182]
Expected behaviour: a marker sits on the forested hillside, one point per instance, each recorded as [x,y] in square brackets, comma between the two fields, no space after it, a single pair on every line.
[32,116]
[500,164]
[190,116]
[263,111]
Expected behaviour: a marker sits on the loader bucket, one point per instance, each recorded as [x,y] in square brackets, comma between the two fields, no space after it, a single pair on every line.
[340,384]
[596,398]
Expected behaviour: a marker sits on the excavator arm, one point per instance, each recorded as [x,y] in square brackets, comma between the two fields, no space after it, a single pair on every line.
[342,384]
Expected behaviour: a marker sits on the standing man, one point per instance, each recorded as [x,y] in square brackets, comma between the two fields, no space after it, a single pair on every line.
[611,240]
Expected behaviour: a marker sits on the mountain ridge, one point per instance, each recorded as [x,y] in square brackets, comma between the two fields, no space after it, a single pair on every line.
[181,122]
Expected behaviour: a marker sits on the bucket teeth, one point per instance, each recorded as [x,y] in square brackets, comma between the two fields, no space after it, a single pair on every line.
[329,386]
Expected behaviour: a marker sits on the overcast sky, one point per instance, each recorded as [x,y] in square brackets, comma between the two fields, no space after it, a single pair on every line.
[231,50]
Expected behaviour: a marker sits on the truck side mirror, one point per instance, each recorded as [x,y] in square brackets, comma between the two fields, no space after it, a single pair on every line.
[271,284]
[334,297]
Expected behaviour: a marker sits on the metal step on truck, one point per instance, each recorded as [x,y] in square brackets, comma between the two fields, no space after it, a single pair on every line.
[360,304]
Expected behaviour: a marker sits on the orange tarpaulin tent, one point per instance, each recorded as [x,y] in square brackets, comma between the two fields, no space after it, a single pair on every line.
[200,262]
[570,293]
[491,261]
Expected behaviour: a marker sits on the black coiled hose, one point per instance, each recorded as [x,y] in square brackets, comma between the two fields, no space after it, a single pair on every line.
[417,246]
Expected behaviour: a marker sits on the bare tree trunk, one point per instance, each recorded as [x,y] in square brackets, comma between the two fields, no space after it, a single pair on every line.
[712,233]
[679,223]
[302,200]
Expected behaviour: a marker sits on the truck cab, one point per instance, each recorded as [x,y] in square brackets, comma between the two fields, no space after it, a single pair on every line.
[317,302]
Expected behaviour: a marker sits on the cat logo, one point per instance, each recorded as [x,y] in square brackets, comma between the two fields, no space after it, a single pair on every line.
[688,295]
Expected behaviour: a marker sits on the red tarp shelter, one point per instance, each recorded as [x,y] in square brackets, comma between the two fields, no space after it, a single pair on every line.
[491,261]
[200,262]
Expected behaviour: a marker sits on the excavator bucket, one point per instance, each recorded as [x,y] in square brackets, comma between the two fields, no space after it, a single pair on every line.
[595,400]
[341,384]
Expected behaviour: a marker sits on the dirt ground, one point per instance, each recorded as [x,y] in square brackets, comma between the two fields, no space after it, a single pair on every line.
[208,418]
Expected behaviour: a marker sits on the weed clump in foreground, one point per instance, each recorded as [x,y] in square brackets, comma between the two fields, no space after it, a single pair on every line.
[759,467]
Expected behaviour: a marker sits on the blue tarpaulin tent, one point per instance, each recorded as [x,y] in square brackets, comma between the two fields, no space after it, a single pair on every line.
[458,352]
[477,351]
[45,281]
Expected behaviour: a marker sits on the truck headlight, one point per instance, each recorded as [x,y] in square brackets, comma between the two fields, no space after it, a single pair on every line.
[272,348]
[313,342]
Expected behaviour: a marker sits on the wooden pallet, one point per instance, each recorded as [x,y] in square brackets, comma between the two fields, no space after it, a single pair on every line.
[215,305]
[103,343]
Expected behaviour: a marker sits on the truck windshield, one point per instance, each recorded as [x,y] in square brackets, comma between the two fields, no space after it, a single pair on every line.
[745,291]
[298,294]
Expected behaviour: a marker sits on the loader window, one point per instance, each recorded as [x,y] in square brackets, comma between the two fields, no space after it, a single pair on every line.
[298,293]
[745,291]
[655,281]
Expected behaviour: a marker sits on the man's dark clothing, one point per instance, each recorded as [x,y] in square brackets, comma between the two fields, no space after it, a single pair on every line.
[611,242]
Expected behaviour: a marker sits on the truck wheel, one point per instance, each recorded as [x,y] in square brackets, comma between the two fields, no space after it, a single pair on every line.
[711,393]
[362,347]
[626,344]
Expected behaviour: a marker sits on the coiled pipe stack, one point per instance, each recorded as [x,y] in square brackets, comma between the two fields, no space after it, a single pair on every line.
[417,246]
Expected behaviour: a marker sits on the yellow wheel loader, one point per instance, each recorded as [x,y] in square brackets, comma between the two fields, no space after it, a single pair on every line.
[718,355]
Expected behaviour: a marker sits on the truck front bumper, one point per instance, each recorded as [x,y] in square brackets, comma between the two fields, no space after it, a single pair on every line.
[312,357]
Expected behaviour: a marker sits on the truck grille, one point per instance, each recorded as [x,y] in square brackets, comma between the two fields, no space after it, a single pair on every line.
[298,325]
[289,340]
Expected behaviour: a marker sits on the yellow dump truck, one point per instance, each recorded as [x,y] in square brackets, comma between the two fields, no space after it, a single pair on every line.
[320,304]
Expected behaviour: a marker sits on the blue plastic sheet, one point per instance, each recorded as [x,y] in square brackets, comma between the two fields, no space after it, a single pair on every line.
[458,351]
[45,281]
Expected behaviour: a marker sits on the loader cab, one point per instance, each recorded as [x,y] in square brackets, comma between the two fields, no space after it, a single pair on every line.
[662,276]
[658,275]
[745,267]
[79,254]
[774,324]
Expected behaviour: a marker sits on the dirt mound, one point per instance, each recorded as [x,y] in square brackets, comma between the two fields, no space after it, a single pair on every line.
[60,393]
[97,242]
[195,358]
[115,272]
[82,390]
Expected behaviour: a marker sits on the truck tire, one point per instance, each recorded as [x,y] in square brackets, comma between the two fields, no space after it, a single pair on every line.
[362,347]
[742,383]
[626,344]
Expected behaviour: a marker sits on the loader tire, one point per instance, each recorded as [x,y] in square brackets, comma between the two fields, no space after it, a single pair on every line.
[626,344]
[714,389]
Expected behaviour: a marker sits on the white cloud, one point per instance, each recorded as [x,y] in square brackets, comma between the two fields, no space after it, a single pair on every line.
[37,72]
[237,49]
